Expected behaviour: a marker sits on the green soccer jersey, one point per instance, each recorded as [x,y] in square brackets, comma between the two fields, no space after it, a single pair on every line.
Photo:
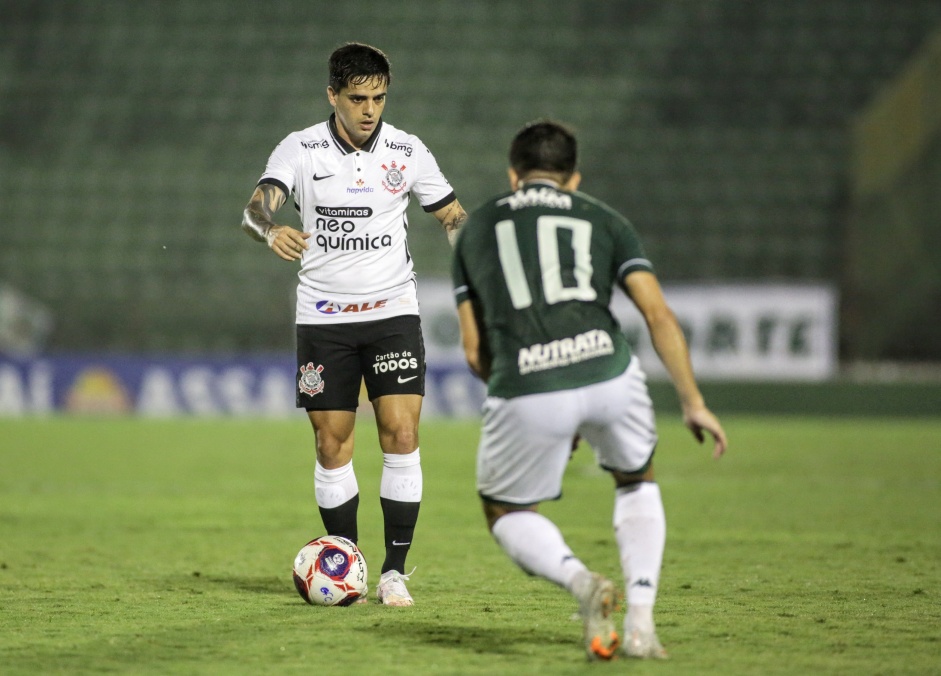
[542,263]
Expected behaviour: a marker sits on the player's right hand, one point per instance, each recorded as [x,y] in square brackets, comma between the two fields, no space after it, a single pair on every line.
[288,243]
[700,420]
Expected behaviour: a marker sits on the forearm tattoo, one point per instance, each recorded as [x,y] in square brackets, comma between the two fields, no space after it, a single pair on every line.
[452,223]
[258,215]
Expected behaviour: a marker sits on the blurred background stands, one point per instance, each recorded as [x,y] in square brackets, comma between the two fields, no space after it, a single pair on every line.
[132,134]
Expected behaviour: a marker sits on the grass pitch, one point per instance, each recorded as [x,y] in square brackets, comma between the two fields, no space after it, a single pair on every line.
[136,546]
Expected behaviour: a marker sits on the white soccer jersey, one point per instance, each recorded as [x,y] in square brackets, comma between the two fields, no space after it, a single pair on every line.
[352,202]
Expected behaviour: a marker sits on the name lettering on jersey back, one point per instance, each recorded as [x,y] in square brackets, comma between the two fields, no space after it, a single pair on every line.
[537,197]
[565,351]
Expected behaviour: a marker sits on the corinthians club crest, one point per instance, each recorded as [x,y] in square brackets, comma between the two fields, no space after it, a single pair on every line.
[310,382]
[394,181]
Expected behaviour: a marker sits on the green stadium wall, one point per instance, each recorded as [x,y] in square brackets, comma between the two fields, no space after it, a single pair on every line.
[892,284]
[132,135]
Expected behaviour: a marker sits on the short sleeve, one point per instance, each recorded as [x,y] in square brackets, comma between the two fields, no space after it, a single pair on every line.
[282,164]
[629,253]
[431,187]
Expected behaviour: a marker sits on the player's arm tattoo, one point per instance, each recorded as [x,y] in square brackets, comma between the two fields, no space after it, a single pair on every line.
[452,217]
[257,218]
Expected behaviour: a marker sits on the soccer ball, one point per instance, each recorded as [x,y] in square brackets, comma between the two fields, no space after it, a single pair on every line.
[330,571]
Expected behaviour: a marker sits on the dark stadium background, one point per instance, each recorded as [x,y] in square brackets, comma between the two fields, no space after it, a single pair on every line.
[794,141]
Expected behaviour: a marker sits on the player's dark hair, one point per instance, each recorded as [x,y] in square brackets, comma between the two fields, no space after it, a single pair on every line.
[355,63]
[544,145]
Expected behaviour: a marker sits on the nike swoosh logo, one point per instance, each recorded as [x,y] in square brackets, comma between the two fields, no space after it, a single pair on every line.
[320,178]
[396,543]
[405,380]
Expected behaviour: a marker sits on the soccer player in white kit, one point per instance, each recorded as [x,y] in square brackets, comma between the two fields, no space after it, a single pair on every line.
[533,274]
[351,177]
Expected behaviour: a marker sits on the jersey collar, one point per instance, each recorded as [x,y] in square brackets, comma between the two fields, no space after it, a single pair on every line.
[345,147]
[539,181]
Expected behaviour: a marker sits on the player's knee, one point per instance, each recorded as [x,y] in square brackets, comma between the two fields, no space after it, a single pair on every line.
[492,513]
[333,449]
[495,510]
[399,440]
[632,479]
[331,455]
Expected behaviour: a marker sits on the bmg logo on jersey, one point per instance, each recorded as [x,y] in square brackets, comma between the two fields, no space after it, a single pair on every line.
[313,145]
[396,361]
[404,147]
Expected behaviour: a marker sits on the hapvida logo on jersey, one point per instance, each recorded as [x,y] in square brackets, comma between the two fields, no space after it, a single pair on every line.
[394,181]
[331,307]
[360,188]
[395,361]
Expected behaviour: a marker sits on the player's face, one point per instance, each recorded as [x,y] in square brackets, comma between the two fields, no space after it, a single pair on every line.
[358,108]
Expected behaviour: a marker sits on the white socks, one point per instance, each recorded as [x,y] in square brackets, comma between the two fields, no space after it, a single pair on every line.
[334,487]
[401,480]
[536,545]
[401,477]
[640,528]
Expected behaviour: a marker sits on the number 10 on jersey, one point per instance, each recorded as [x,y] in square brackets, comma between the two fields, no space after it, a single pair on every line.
[547,236]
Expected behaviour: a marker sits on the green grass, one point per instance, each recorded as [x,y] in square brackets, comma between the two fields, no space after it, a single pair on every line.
[135,546]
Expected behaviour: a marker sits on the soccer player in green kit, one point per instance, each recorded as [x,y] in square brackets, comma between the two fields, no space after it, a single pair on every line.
[533,273]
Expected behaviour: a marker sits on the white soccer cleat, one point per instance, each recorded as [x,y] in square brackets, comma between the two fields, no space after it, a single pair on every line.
[391,589]
[595,608]
[643,645]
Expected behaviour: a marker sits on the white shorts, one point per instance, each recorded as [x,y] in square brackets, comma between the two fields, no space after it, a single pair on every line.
[526,441]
